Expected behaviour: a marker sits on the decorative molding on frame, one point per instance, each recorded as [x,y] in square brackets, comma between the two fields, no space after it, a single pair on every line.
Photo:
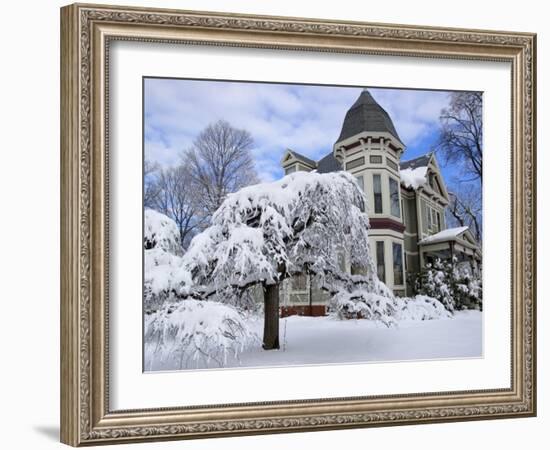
[85,415]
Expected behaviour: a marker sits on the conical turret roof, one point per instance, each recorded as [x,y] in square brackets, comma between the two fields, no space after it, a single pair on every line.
[366,115]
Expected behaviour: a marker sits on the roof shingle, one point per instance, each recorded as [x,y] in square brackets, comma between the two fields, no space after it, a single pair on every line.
[366,115]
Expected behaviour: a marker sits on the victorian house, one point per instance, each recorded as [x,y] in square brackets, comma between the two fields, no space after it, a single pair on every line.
[406,205]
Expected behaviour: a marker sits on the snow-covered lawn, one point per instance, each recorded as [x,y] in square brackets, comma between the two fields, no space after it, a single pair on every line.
[325,340]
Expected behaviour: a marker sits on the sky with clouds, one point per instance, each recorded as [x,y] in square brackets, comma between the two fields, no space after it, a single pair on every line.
[307,119]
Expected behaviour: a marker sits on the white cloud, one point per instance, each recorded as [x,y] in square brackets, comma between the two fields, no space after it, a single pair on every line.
[305,118]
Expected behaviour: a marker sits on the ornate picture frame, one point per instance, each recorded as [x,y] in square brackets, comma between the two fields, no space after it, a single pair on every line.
[87,31]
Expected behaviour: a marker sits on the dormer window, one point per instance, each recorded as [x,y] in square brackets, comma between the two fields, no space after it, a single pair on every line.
[290,169]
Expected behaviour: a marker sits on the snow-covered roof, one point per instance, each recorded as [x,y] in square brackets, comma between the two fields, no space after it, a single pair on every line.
[419,161]
[450,234]
[414,172]
[414,178]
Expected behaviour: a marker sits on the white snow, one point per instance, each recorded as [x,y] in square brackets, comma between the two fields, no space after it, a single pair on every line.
[327,340]
[414,178]
[420,307]
[445,235]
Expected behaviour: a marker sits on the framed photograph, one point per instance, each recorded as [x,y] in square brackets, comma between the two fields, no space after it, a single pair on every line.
[279,224]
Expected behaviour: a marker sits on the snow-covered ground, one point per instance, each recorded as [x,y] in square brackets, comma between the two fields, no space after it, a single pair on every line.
[326,340]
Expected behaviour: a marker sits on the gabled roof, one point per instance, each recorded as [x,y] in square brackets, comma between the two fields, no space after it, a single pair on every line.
[328,164]
[366,115]
[421,161]
[301,158]
[415,174]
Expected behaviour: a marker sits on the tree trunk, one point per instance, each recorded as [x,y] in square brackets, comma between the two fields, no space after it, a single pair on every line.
[271,317]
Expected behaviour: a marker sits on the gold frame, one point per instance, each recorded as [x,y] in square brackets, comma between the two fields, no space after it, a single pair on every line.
[86,31]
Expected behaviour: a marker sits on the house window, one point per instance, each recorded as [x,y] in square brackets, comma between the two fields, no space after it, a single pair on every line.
[433,219]
[397,263]
[361,184]
[431,180]
[355,163]
[375,159]
[299,282]
[290,169]
[380,263]
[394,198]
[377,188]
[391,163]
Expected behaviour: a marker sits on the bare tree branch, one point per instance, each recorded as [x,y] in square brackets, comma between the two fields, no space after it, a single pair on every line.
[461,136]
[177,198]
[219,163]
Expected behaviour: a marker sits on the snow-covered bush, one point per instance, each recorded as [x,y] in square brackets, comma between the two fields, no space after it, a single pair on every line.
[363,304]
[164,273]
[436,282]
[161,232]
[453,285]
[193,334]
[468,289]
[420,307]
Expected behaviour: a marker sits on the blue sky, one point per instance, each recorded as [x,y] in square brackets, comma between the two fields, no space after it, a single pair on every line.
[306,119]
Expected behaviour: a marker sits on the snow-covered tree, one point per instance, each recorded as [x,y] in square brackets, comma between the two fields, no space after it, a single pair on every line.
[264,233]
[267,232]
[162,260]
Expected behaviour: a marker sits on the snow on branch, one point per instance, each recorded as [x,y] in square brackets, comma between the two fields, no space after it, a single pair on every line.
[161,232]
[196,333]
